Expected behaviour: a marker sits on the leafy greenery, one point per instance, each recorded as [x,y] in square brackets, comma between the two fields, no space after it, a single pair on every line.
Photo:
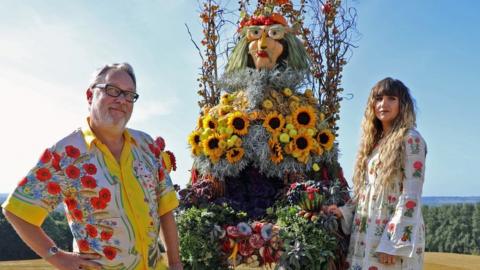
[199,241]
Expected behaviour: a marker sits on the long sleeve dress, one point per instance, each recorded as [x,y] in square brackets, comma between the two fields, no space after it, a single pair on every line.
[389,220]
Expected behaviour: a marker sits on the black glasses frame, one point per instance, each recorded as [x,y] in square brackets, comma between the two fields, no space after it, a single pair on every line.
[130,96]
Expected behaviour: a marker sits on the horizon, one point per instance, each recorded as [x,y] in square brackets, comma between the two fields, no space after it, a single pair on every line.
[48,52]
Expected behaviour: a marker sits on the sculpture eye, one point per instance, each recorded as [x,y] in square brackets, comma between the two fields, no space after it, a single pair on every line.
[276,32]
[254,32]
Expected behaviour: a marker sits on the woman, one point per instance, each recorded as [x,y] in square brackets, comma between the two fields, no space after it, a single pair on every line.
[384,217]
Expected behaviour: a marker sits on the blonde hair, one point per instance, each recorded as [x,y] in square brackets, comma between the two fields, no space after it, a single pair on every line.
[392,148]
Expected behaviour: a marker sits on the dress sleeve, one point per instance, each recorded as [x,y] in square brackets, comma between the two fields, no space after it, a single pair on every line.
[40,192]
[400,235]
[348,211]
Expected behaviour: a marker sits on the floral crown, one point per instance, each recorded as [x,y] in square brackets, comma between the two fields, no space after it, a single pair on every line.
[265,15]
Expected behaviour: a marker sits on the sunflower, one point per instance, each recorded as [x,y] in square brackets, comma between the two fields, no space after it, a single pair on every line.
[304,117]
[302,145]
[235,154]
[200,122]
[239,122]
[210,122]
[326,138]
[274,122]
[275,151]
[195,142]
[211,147]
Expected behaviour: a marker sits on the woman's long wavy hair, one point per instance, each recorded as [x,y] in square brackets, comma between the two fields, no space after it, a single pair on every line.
[391,148]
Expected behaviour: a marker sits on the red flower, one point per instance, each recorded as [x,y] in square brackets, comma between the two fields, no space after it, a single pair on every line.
[46,156]
[71,203]
[391,227]
[105,195]
[378,221]
[72,172]
[232,231]
[56,161]
[88,182]
[257,226]
[77,214]
[311,196]
[410,204]
[173,160]
[91,231]
[109,252]
[53,188]
[83,245]
[418,165]
[98,203]
[72,151]
[23,182]
[410,140]
[154,150]
[106,235]
[160,142]
[43,174]
[417,140]
[161,174]
[90,168]
[245,249]
[256,241]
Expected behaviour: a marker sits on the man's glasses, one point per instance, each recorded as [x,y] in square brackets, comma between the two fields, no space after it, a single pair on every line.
[114,91]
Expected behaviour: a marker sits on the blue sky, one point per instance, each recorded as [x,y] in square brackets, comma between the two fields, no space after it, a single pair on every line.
[48,50]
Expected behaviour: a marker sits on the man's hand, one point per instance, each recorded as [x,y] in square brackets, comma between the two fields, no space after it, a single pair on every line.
[73,261]
[333,209]
[386,259]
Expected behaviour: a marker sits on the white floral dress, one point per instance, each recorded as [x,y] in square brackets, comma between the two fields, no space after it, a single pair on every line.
[389,220]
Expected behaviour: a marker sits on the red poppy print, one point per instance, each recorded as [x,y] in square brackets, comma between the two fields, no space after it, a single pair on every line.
[106,235]
[71,203]
[43,174]
[410,205]
[173,160]
[53,188]
[56,161]
[161,174]
[105,195]
[110,252]
[417,165]
[91,231]
[160,142]
[90,168]
[390,230]
[83,245]
[46,156]
[88,182]
[154,150]
[72,151]
[72,172]
[407,233]
[77,214]
[98,203]
[23,182]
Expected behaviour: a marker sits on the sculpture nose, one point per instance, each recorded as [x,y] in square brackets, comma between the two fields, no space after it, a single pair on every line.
[263,41]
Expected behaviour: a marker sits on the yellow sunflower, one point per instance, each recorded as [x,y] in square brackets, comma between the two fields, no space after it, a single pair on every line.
[211,147]
[326,138]
[235,154]
[195,142]
[200,122]
[274,122]
[239,122]
[302,144]
[304,117]
[210,122]
[275,151]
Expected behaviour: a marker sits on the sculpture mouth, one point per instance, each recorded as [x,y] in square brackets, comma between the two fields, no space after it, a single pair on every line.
[262,54]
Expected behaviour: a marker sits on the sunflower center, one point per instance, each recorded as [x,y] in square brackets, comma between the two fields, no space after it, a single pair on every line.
[211,124]
[323,138]
[301,143]
[196,139]
[274,123]
[303,118]
[213,143]
[238,123]
[235,153]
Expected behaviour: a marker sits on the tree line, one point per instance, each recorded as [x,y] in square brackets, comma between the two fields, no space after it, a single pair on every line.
[449,228]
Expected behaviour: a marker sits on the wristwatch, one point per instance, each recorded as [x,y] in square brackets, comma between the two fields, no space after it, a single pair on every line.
[52,251]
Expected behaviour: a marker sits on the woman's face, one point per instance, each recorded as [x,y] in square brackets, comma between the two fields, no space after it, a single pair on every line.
[386,109]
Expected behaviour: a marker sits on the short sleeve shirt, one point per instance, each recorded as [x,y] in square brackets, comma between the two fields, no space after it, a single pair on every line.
[113,209]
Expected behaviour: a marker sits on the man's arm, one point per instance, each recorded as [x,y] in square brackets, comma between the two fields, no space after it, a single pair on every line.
[170,236]
[36,238]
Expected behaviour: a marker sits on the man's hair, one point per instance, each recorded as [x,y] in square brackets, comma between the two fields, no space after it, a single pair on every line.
[100,74]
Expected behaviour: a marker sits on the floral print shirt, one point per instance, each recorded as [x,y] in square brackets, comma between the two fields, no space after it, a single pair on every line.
[113,209]
[389,220]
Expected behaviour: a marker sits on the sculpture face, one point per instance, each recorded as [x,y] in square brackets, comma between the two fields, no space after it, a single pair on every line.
[264,44]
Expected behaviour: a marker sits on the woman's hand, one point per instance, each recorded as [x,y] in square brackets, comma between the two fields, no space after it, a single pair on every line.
[333,209]
[386,259]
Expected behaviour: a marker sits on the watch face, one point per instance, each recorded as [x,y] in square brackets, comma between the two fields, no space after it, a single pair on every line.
[52,251]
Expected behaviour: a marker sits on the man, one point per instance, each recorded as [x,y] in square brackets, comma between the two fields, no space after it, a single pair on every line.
[114,184]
